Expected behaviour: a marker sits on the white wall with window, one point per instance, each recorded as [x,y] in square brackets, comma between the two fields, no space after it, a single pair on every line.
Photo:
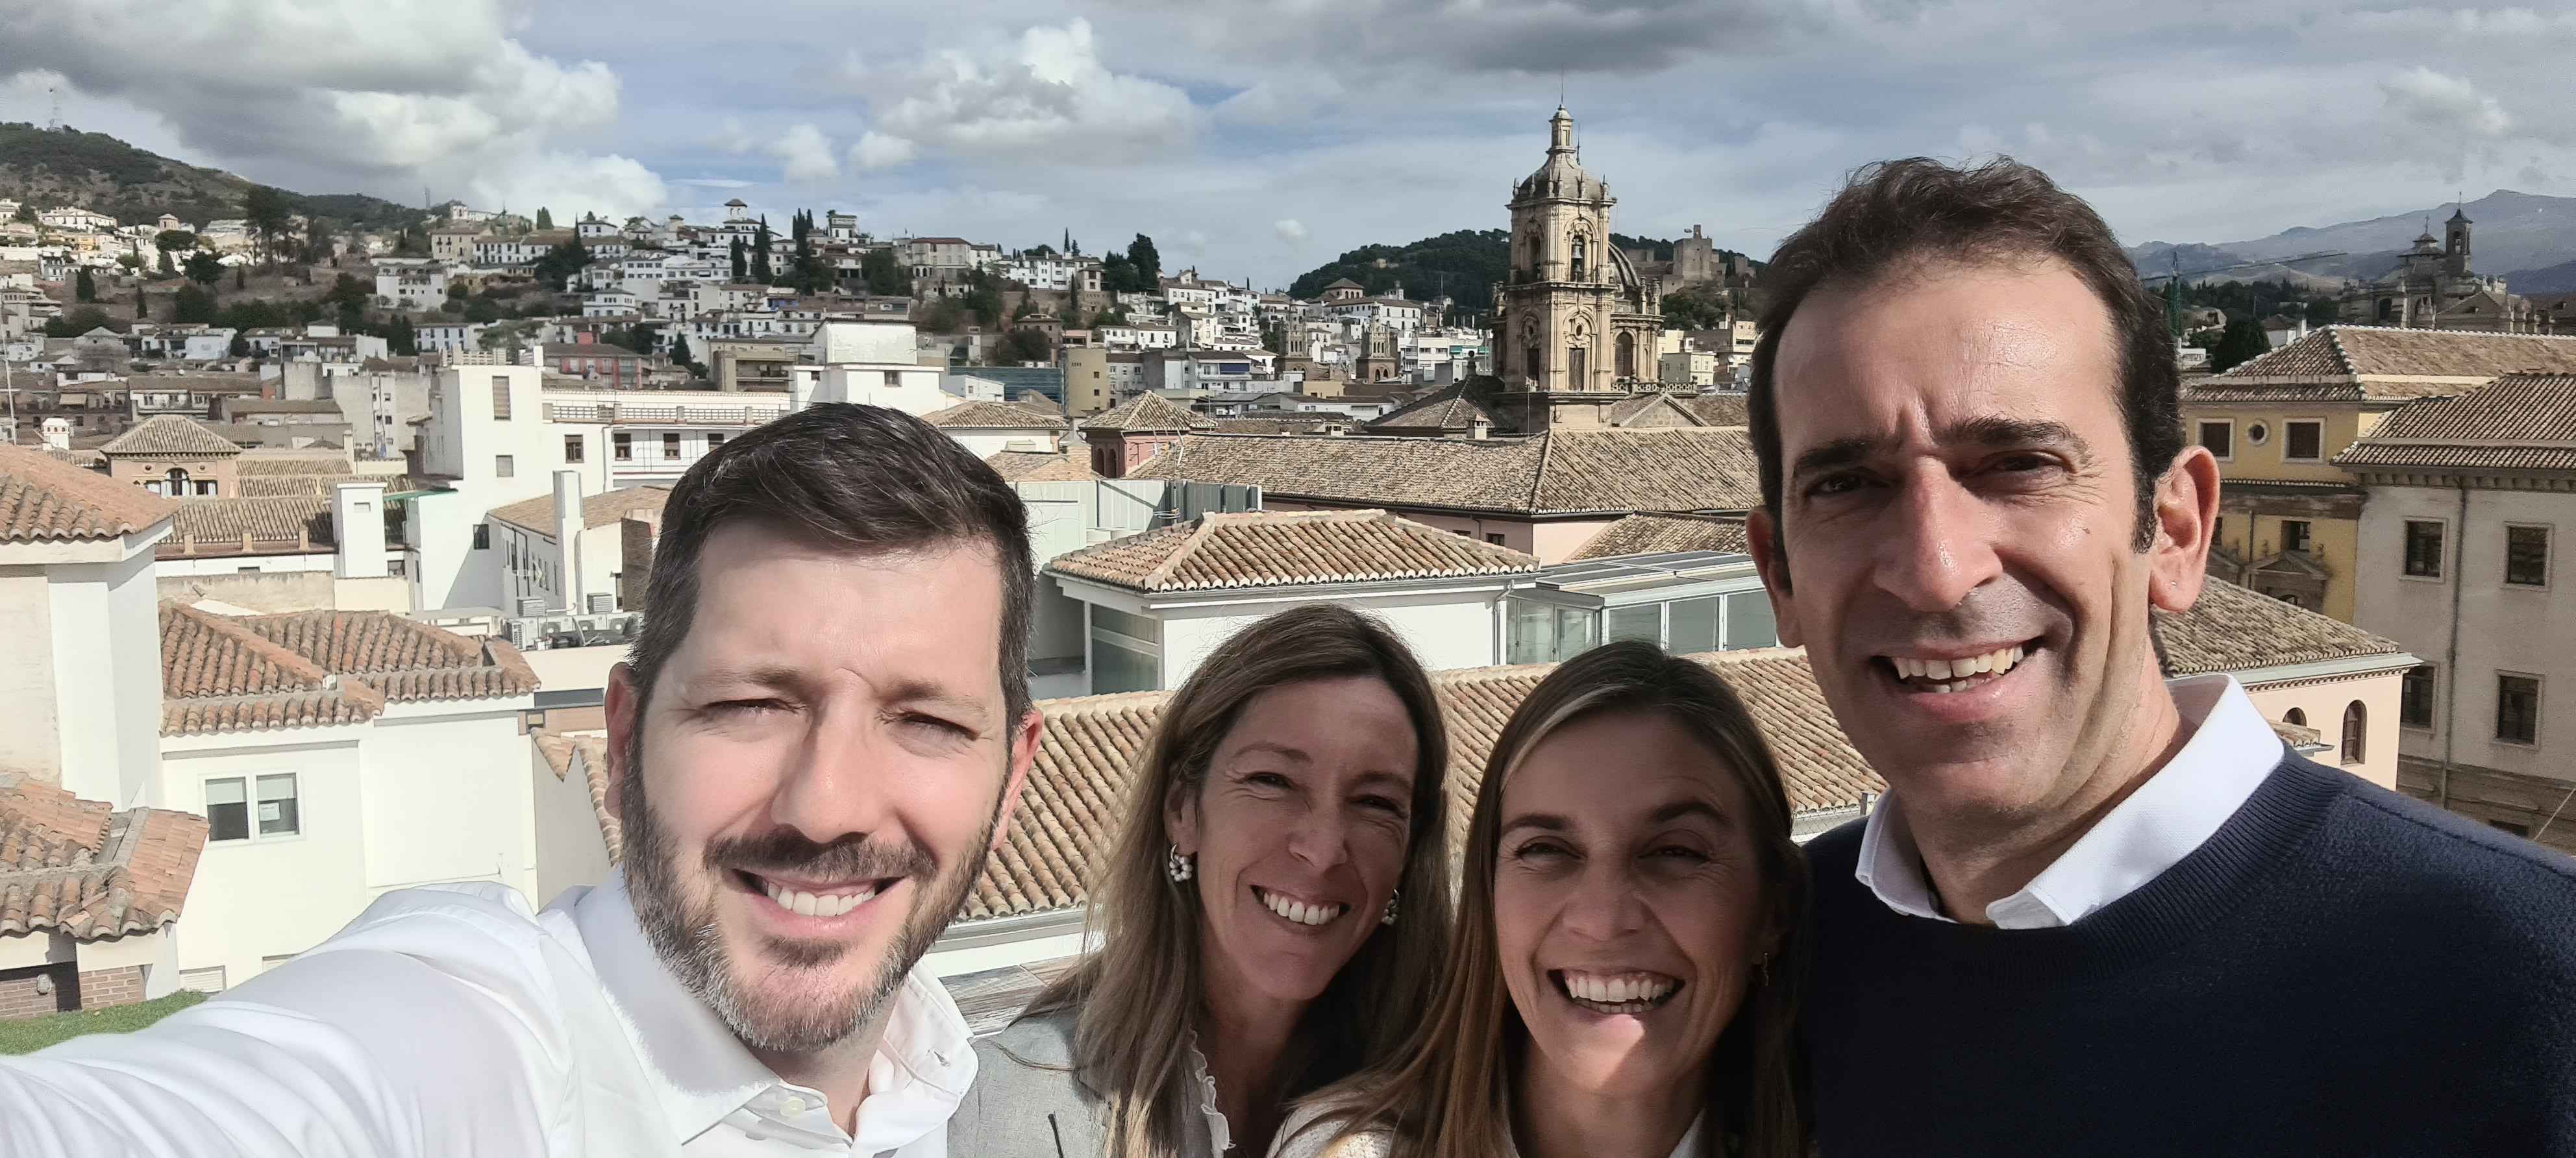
[2473,581]
[308,825]
[1683,602]
[1144,642]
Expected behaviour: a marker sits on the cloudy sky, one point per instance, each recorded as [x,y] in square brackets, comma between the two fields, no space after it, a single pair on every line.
[1258,140]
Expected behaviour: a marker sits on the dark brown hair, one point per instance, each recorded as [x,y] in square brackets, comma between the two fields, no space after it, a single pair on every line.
[1893,213]
[857,478]
[1444,1095]
[1137,997]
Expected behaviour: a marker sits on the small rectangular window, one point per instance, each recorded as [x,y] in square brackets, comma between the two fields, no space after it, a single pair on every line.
[2415,696]
[894,378]
[2518,709]
[482,536]
[622,446]
[2294,534]
[714,441]
[500,398]
[2526,556]
[572,448]
[2220,438]
[278,812]
[670,444]
[2423,549]
[2305,441]
[227,810]
[504,466]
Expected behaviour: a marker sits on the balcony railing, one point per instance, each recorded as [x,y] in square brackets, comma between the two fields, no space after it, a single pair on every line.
[623,413]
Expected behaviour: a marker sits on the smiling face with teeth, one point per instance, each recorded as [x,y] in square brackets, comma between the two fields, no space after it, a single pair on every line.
[824,763]
[1629,904]
[1959,542]
[1300,826]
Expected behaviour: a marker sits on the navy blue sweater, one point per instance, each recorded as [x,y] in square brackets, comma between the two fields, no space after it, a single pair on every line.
[2339,970]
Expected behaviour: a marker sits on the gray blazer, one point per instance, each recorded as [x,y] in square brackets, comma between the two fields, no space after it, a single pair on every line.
[1026,1103]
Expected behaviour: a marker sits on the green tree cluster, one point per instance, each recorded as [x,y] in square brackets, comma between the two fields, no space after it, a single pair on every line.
[84,288]
[1697,308]
[270,217]
[564,259]
[760,244]
[1026,345]
[545,220]
[2243,341]
[883,275]
[204,268]
[193,305]
[74,323]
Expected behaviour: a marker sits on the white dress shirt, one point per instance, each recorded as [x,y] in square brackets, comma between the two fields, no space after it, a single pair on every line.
[2178,809]
[1296,1141]
[450,1020]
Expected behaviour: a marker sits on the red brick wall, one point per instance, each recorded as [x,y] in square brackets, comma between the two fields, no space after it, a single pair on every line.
[18,996]
[101,988]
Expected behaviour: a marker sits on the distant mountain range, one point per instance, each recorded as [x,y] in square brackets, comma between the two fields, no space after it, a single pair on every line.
[52,167]
[2526,238]
[1464,264]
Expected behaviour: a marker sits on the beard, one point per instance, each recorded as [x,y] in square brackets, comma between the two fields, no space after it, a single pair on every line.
[756,989]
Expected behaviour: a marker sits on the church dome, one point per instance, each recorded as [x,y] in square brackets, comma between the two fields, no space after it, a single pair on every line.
[1561,176]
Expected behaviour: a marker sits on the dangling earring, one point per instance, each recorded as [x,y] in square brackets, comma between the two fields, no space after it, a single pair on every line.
[1181,865]
[1391,898]
[1762,970]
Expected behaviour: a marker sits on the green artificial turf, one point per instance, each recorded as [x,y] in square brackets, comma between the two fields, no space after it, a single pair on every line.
[28,1035]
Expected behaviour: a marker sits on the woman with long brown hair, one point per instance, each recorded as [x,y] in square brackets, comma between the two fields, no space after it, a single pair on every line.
[1630,948]
[1275,904]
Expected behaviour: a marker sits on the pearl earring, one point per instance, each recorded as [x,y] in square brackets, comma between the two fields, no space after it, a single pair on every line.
[1180,865]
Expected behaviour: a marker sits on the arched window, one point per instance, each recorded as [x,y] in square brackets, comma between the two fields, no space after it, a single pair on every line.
[2295,716]
[2356,722]
[1627,355]
[176,483]
[1578,257]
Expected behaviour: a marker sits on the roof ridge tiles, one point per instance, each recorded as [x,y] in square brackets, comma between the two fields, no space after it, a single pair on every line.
[287,659]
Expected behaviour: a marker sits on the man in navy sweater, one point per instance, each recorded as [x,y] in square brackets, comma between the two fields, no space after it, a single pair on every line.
[2098,912]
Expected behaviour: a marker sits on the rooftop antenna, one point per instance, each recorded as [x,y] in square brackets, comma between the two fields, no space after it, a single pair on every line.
[54,114]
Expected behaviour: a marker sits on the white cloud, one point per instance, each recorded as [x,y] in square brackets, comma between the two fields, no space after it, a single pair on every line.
[1047,96]
[807,155]
[880,151]
[2445,103]
[1289,230]
[380,94]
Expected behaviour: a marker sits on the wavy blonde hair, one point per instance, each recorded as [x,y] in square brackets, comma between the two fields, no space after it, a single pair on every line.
[1131,1035]
[1445,1095]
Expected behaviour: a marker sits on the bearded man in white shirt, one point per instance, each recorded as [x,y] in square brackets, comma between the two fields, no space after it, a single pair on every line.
[815,744]
[2097,912]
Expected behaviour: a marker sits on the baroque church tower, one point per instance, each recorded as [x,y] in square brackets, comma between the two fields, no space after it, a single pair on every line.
[1577,328]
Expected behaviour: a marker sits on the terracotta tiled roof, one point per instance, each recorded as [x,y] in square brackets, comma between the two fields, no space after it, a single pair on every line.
[2234,629]
[1280,548]
[1646,534]
[270,463]
[1039,466]
[78,868]
[1146,413]
[1072,806]
[1457,408]
[2517,422]
[170,434]
[1715,409]
[1568,472]
[1300,423]
[1005,414]
[216,522]
[604,509]
[587,756]
[2380,364]
[41,499]
[315,485]
[1652,409]
[316,668]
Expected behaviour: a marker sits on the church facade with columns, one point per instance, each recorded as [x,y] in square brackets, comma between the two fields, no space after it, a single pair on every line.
[1576,325]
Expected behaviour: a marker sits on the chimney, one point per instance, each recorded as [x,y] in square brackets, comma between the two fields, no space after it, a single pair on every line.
[568,526]
[358,527]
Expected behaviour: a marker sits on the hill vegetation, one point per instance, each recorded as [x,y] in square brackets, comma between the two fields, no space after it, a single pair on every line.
[1464,264]
[99,172]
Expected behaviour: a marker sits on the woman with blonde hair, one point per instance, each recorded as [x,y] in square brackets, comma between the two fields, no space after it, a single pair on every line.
[1630,948]
[1275,904]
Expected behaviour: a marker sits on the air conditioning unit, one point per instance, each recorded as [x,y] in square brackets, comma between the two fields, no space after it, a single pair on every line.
[603,603]
[531,606]
[518,633]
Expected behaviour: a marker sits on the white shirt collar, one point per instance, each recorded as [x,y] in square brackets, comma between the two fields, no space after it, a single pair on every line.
[703,1074]
[2178,809]
[1688,1147]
